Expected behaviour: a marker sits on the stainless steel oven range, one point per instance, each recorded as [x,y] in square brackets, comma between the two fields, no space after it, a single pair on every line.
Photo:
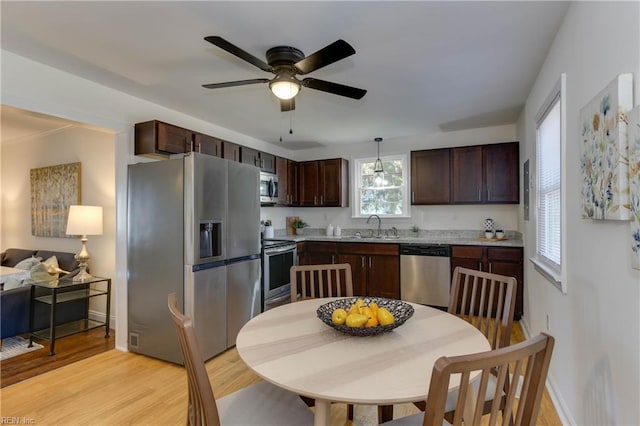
[278,257]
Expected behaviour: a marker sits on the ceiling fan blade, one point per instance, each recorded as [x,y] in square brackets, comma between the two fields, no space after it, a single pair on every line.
[337,50]
[236,51]
[335,88]
[235,83]
[287,104]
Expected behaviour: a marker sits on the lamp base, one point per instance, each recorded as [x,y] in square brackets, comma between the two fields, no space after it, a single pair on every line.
[83,260]
[82,276]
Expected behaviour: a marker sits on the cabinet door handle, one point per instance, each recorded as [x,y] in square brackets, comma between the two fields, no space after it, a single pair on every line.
[362,261]
[413,197]
[315,200]
[479,194]
[333,258]
[369,262]
[322,200]
[479,266]
[489,267]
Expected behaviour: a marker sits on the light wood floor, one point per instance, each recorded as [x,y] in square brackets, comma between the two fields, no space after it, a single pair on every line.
[118,388]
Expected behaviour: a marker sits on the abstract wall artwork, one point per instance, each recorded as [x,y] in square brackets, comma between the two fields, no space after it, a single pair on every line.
[53,190]
[634,183]
[604,162]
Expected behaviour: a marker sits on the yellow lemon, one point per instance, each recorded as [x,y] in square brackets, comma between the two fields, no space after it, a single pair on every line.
[374,308]
[372,319]
[356,320]
[354,309]
[385,317]
[339,316]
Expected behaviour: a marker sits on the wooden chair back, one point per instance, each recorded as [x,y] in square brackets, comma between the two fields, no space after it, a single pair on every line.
[530,364]
[327,280]
[202,409]
[487,301]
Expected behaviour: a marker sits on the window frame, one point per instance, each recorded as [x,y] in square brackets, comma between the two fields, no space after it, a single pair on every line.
[356,201]
[554,273]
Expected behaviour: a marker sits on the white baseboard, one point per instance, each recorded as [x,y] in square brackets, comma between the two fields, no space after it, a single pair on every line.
[552,387]
[100,316]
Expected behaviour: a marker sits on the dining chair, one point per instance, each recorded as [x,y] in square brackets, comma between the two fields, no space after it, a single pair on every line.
[487,301]
[259,404]
[526,362]
[325,280]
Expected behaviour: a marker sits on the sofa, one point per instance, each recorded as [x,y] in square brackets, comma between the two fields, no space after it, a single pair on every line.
[15,303]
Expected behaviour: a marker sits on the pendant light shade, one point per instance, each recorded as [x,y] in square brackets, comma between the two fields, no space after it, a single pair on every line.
[378,170]
[377,167]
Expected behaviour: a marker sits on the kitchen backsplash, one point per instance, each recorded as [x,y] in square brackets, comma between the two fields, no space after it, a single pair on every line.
[469,217]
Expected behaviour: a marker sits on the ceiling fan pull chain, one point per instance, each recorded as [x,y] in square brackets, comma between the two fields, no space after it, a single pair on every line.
[291,122]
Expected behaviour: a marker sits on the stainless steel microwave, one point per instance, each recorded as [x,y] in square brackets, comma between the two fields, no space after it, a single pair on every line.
[268,188]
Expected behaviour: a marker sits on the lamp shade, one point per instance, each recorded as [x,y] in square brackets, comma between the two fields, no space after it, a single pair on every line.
[84,220]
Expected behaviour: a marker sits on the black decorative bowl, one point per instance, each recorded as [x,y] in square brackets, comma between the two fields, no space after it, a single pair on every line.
[401,311]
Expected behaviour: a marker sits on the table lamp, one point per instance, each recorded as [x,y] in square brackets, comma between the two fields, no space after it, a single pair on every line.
[84,220]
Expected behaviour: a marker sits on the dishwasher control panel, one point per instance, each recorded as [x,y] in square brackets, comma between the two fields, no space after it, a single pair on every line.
[425,250]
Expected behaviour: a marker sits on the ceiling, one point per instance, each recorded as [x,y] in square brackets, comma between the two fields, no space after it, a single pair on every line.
[427,66]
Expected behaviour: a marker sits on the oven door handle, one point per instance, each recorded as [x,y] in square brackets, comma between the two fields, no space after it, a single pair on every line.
[271,251]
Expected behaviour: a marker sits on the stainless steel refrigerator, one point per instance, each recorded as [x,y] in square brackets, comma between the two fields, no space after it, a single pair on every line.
[193,228]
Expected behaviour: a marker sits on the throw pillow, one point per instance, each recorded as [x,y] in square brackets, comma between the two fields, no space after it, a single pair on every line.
[28,263]
[11,283]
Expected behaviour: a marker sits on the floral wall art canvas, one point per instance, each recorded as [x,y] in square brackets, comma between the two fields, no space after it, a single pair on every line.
[604,161]
[53,190]
[634,183]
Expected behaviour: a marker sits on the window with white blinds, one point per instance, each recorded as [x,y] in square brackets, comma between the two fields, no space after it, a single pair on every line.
[548,193]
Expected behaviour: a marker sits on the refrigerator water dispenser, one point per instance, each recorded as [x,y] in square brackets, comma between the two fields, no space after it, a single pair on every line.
[210,238]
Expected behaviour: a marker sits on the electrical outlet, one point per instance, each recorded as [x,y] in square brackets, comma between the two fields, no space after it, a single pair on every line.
[548,329]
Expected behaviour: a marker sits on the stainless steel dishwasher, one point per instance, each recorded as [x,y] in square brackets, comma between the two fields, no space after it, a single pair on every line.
[425,274]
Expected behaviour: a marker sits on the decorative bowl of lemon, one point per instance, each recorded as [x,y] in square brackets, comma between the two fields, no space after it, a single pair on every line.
[365,316]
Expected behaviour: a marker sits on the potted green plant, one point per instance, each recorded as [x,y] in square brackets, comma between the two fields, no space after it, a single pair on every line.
[415,229]
[299,225]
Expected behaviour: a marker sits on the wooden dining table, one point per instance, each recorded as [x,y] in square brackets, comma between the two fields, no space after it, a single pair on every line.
[292,348]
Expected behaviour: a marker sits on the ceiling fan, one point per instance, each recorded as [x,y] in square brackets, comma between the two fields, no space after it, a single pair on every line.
[286,62]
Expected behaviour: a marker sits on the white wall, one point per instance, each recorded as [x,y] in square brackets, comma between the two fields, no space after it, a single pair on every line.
[595,370]
[94,149]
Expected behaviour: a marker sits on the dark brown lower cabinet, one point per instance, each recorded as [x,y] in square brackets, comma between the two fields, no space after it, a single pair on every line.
[375,268]
[498,260]
[317,253]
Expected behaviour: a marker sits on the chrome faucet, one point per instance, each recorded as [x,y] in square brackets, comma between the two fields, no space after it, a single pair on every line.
[379,222]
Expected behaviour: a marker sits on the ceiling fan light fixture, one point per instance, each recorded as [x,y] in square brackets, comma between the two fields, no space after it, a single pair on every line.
[284,88]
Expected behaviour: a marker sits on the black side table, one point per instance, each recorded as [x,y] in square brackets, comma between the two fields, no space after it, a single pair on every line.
[74,290]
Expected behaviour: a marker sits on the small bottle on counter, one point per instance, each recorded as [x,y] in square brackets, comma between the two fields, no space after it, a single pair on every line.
[330,230]
[337,231]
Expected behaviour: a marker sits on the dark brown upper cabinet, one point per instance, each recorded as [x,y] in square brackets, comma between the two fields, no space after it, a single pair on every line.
[266,161]
[157,139]
[287,171]
[485,174]
[231,151]
[430,176]
[324,183]
[206,144]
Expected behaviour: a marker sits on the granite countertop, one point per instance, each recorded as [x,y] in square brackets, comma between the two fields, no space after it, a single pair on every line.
[471,238]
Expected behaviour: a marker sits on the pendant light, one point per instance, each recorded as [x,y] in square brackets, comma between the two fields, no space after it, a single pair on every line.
[378,171]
